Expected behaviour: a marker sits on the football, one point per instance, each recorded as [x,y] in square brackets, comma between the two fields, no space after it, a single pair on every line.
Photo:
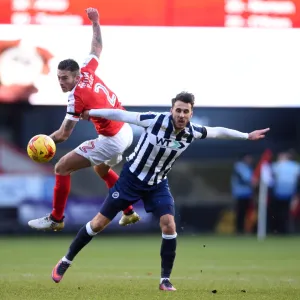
[41,148]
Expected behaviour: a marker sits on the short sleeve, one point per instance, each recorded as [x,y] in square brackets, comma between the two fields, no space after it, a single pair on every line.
[75,106]
[146,119]
[199,131]
[91,63]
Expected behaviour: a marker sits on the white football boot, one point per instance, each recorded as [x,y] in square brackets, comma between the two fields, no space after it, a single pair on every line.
[46,223]
[129,219]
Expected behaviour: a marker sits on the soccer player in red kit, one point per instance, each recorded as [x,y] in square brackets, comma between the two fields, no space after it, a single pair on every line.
[87,91]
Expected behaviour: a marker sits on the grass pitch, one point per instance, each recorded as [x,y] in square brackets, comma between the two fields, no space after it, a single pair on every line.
[128,268]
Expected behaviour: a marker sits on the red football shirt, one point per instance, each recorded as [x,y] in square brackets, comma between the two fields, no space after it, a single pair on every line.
[91,93]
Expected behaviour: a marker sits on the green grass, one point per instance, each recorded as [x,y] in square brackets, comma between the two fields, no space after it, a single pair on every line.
[128,268]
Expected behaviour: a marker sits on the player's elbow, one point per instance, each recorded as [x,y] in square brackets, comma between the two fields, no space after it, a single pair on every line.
[65,135]
[212,133]
[216,133]
[96,52]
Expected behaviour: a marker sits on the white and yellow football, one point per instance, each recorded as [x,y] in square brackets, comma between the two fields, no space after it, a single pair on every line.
[41,148]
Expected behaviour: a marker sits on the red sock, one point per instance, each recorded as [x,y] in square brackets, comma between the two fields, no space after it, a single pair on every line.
[61,193]
[110,179]
[128,210]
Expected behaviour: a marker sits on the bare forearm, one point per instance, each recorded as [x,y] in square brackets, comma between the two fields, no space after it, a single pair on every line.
[65,130]
[97,45]
[57,137]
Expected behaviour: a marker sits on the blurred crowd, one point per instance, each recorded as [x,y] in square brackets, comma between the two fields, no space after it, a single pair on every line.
[283,197]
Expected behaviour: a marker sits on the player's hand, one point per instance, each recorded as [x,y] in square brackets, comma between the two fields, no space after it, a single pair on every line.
[258,134]
[92,14]
[85,115]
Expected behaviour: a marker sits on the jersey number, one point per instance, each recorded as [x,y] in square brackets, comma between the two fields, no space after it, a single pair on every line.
[110,99]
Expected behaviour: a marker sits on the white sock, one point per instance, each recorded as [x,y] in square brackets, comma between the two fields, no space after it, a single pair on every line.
[89,229]
[66,260]
[169,236]
[162,279]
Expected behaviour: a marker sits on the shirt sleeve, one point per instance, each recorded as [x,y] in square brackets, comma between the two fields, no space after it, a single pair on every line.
[140,119]
[75,106]
[91,63]
[146,119]
[200,132]
[225,133]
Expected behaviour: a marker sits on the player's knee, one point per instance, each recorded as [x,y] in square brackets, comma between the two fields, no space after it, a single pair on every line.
[167,224]
[99,222]
[102,170]
[60,167]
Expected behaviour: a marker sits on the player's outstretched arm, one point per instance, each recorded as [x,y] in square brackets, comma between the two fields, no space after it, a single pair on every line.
[64,131]
[96,46]
[131,117]
[226,133]
[112,114]
[258,134]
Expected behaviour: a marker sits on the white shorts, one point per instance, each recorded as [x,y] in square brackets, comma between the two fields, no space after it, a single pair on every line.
[107,149]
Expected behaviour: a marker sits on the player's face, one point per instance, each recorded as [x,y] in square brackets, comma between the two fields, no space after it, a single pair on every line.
[181,113]
[67,80]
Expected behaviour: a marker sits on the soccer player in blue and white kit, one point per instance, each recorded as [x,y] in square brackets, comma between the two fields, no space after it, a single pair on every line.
[144,175]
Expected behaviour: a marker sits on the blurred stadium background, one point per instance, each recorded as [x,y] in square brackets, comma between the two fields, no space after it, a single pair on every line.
[239,57]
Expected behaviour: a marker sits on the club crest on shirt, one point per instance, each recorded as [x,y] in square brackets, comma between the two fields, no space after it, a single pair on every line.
[115,195]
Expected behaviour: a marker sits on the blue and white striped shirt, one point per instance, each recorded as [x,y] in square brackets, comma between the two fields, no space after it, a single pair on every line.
[159,146]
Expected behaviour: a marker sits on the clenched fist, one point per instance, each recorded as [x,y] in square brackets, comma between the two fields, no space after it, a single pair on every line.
[92,14]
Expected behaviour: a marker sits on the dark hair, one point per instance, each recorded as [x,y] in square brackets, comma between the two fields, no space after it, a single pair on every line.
[68,65]
[184,97]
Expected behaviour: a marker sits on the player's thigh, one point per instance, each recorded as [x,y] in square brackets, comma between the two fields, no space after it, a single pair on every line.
[118,144]
[92,151]
[107,150]
[123,139]
[120,196]
[97,151]
[70,163]
[160,201]
[113,205]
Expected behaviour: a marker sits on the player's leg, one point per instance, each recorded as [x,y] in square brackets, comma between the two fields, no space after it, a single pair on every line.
[69,163]
[167,251]
[110,178]
[110,154]
[161,203]
[110,208]
[83,237]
